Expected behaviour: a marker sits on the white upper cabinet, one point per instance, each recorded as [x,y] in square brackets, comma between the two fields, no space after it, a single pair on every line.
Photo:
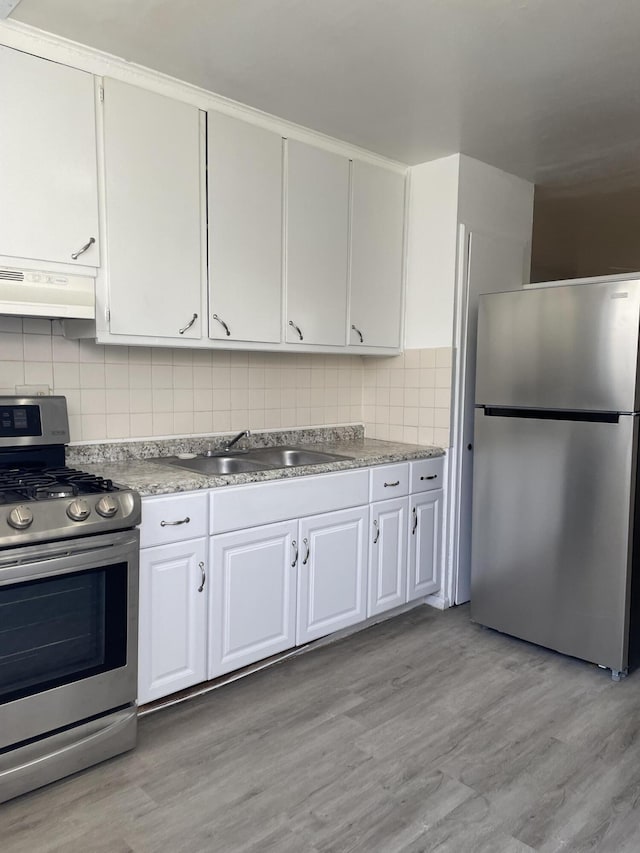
[376,256]
[153,177]
[317,239]
[245,230]
[48,171]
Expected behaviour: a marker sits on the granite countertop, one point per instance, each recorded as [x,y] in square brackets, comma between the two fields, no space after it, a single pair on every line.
[151,476]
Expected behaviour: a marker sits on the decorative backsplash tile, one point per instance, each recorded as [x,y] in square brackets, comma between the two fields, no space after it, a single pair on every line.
[408,397]
[119,392]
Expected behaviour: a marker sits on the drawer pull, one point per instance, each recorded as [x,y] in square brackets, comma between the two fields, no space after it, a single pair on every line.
[430,477]
[377,529]
[294,545]
[307,555]
[175,523]
[203,576]
[415,522]
[387,485]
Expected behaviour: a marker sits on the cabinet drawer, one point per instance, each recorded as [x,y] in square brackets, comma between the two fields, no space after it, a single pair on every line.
[389,481]
[427,474]
[173,518]
[238,507]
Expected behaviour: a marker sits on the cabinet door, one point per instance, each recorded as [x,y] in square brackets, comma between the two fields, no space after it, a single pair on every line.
[424,544]
[376,256]
[252,597]
[48,170]
[152,188]
[245,230]
[332,572]
[317,245]
[173,619]
[387,585]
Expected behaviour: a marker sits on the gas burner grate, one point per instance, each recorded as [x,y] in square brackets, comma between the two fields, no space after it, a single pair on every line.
[46,483]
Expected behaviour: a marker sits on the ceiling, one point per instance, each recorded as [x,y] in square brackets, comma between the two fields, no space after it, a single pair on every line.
[546,89]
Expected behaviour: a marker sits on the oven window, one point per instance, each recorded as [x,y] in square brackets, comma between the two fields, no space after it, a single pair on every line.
[61,629]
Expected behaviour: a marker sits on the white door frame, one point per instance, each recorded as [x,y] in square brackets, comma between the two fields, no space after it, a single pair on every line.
[454,483]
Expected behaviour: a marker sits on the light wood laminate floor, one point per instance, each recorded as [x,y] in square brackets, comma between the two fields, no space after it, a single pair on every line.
[425,733]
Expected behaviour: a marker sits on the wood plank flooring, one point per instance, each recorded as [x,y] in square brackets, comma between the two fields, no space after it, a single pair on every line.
[424,733]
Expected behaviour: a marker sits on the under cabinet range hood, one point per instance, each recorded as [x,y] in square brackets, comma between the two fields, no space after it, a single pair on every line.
[37,293]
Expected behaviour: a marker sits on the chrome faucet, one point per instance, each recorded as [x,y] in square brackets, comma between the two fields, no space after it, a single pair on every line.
[229,444]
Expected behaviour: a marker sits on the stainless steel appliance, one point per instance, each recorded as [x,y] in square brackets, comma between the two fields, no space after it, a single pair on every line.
[68,604]
[555,539]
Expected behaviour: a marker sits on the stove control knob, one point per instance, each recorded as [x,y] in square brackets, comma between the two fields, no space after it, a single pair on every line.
[107,506]
[20,517]
[78,510]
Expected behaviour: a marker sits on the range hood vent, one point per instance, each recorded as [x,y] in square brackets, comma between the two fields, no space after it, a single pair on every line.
[37,293]
[11,275]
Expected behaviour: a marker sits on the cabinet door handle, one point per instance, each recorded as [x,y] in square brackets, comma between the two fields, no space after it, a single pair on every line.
[415,521]
[297,328]
[294,545]
[377,530]
[358,333]
[189,325]
[223,324]
[388,485]
[75,255]
[203,577]
[430,477]
[175,523]
[308,552]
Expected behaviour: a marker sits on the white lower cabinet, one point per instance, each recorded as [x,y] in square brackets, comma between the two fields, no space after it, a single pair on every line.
[332,578]
[173,618]
[387,585]
[252,597]
[424,544]
[264,582]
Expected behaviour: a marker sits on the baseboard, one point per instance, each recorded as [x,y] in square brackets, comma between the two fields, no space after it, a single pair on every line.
[439,601]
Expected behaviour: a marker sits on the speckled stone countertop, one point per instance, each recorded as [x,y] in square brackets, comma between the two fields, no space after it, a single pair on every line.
[132,464]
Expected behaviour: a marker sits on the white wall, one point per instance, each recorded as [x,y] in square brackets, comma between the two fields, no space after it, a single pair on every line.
[444,193]
[495,202]
[431,253]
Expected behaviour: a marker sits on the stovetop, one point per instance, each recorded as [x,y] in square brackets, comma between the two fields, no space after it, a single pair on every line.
[41,499]
[23,484]
[39,503]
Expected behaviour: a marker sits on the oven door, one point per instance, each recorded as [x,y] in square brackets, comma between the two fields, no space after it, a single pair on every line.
[68,633]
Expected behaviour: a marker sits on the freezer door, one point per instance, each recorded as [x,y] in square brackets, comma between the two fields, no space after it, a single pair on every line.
[551,522]
[566,347]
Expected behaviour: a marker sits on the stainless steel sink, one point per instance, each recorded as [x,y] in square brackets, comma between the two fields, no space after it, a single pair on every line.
[220,464]
[289,457]
[259,459]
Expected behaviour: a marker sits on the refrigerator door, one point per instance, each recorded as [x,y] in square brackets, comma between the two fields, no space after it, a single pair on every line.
[567,347]
[552,508]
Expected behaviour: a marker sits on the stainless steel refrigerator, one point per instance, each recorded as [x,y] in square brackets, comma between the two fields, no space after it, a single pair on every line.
[555,509]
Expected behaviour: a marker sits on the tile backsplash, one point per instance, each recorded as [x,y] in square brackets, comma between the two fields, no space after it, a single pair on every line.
[129,392]
[408,397]
[136,392]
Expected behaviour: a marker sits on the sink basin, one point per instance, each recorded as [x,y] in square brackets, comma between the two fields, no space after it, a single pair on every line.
[289,457]
[220,465]
[260,459]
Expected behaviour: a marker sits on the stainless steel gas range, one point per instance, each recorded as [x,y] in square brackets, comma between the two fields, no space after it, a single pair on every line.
[68,604]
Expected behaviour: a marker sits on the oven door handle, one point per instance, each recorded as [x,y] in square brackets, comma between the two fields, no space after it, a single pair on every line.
[38,561]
